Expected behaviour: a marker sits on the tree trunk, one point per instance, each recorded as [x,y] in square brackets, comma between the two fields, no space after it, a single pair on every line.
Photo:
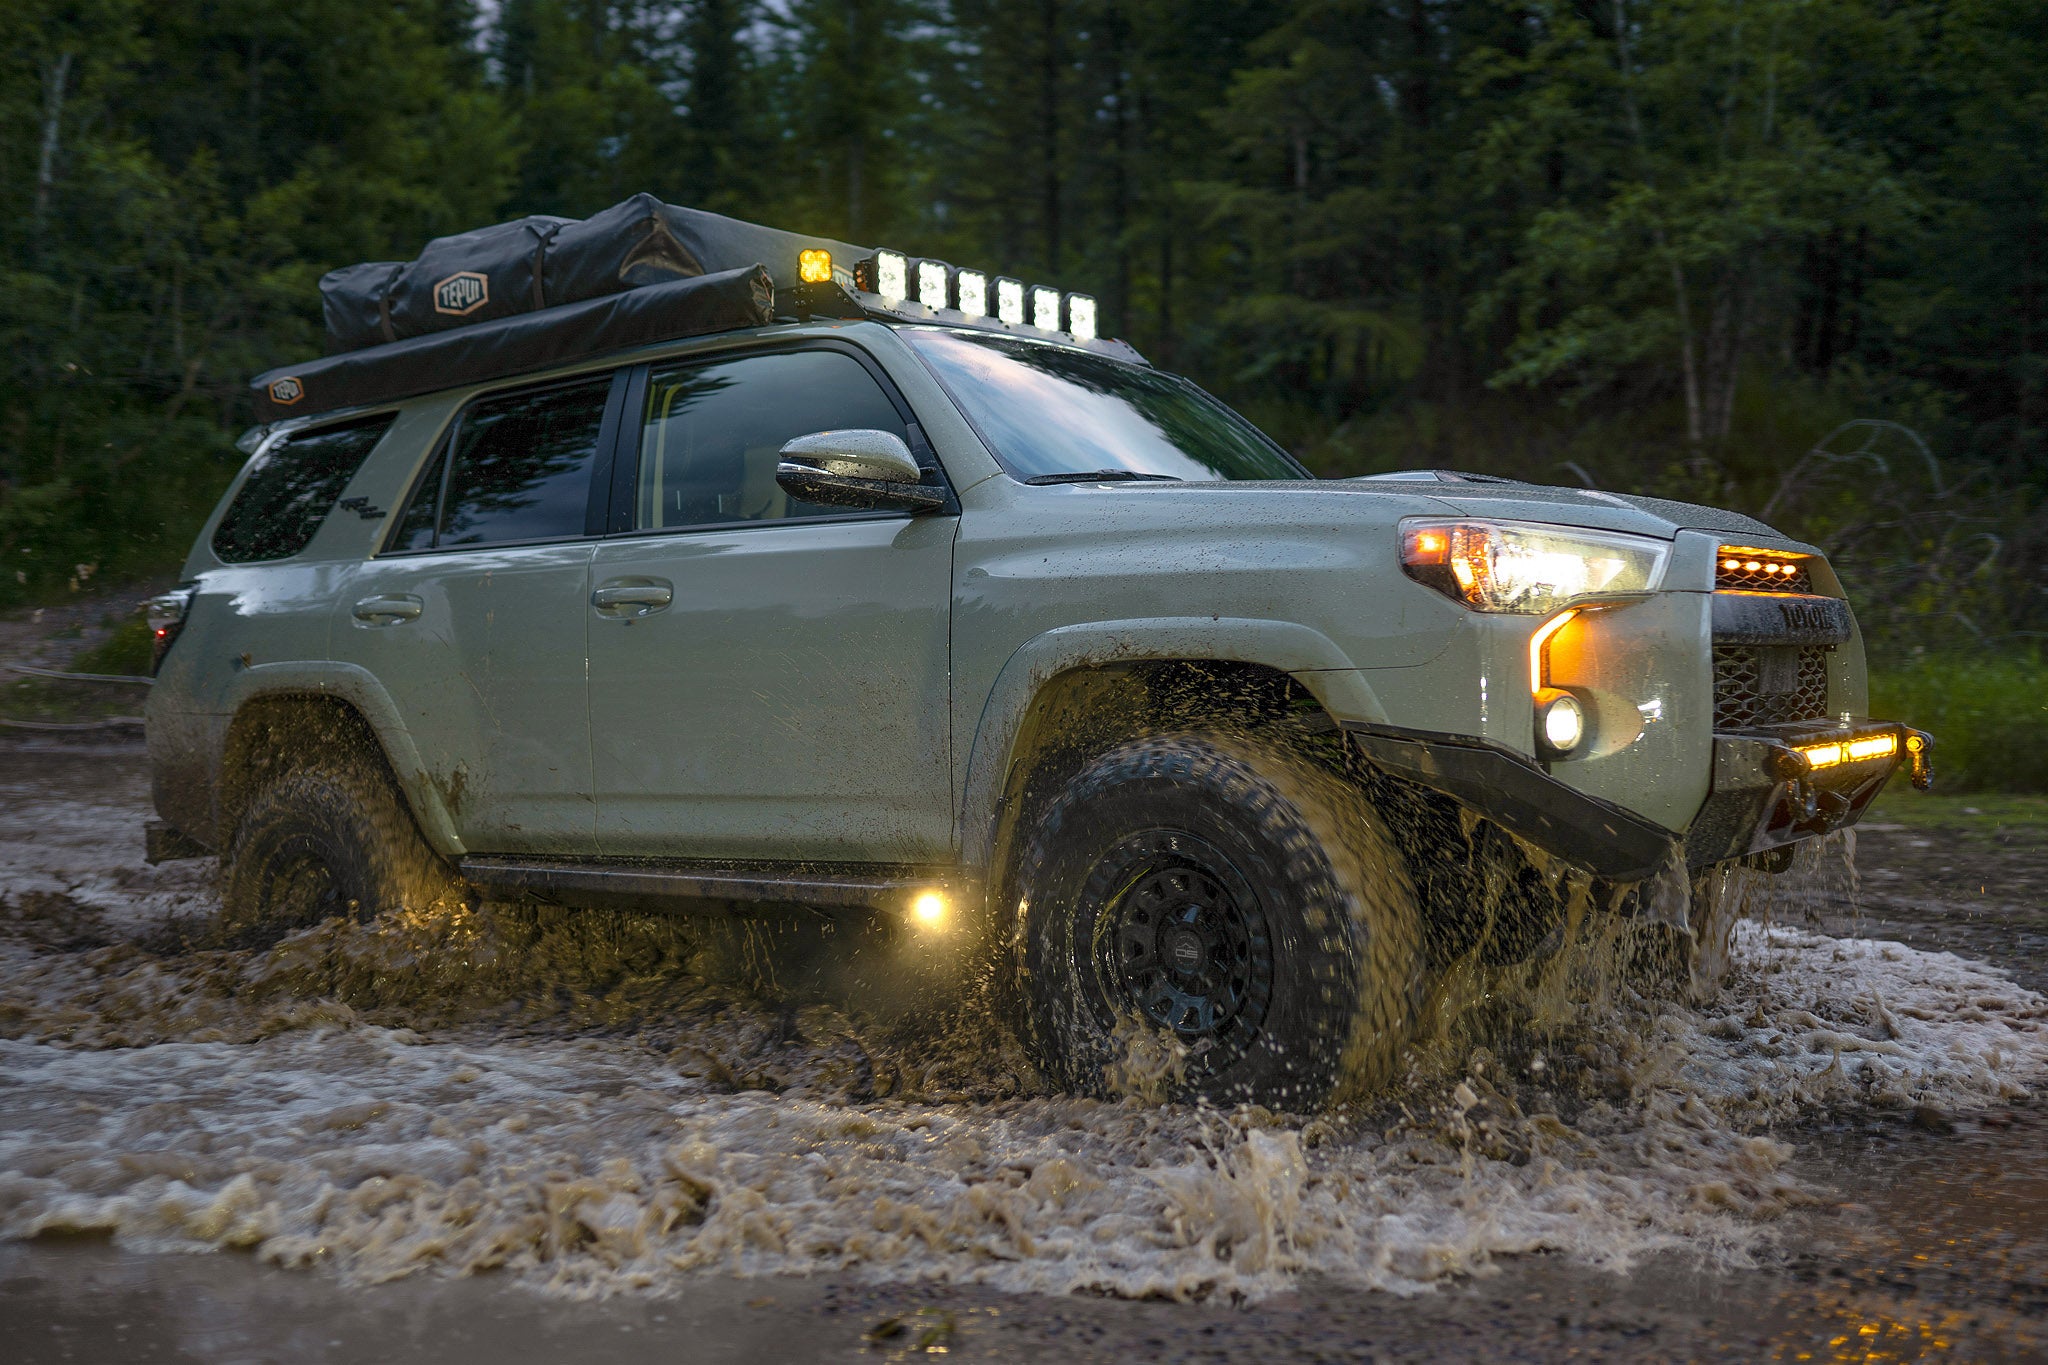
[1049,131]
[54,81]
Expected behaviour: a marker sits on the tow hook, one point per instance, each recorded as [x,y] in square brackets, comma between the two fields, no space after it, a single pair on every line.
[1920,751]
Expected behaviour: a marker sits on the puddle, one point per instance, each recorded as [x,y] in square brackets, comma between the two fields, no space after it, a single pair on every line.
[567,1099]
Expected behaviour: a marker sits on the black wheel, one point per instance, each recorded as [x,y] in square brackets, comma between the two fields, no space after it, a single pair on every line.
[1232,895]
[326,841]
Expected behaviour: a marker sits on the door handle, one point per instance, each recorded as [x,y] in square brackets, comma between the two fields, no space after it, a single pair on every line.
[632,597]
[388,610]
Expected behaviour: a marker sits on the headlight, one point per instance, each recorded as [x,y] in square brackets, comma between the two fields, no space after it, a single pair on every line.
[1521,567]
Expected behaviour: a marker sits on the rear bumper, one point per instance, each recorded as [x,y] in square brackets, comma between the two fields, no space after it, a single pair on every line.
[1766,793]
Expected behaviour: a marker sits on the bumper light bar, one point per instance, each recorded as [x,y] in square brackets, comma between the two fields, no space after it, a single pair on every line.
[1853,751]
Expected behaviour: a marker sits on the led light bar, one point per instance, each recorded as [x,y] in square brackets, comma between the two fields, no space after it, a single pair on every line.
[1010,301]
[1045,308]
[1851,751]
[972,288]
[1081,317]
[892,276]
[931,283]
[897,277]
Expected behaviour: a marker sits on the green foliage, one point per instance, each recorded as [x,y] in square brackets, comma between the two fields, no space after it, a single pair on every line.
[1782,255]
[124,653]
[1988,716]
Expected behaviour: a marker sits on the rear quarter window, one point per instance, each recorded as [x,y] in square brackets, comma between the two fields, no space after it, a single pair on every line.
[290,490]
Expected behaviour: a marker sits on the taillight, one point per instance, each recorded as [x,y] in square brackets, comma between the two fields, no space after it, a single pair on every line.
[166,615]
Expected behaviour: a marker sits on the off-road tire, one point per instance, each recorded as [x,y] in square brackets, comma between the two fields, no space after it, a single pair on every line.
[327,840]
[1331,916]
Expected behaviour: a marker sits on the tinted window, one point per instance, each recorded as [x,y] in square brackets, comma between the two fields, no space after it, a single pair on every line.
[520,466]
[416,527]
[1048,410]
[711,433]
[290,489]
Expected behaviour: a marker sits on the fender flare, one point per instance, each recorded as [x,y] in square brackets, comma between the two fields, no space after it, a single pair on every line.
[1305,654]
[359,688]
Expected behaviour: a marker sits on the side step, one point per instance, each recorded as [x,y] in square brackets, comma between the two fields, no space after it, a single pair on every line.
[656,885]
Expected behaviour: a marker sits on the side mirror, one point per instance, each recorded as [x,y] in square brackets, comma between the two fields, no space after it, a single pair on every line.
[855,468]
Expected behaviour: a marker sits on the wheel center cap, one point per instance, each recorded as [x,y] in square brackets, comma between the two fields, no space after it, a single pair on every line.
[1185,951]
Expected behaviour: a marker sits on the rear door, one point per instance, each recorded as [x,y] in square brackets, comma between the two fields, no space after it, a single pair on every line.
[768,677]
[475,616]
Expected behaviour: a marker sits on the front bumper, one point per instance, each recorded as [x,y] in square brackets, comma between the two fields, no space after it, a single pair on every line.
[1766,794]
[1769,794]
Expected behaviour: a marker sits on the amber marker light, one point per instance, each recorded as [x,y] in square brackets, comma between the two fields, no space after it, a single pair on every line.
[930,910]
[1540,641]
[814,266]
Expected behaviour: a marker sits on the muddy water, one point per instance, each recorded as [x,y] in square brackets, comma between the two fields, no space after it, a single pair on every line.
[622,1111]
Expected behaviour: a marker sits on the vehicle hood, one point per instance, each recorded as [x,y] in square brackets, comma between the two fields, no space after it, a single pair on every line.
[1482,496]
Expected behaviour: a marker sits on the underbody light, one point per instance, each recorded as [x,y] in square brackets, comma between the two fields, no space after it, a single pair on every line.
[814,266]
[929,909]
[1849,751]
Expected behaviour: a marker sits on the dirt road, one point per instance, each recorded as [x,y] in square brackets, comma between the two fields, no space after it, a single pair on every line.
[518,1135]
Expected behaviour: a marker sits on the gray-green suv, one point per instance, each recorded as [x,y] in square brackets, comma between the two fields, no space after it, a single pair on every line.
[889,607]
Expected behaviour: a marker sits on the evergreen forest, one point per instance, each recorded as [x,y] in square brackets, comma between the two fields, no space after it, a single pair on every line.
[1789,256]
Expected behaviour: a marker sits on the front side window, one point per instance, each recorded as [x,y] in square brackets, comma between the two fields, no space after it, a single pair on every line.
[290,490]
[1049,412]
[712,433]
[517,467]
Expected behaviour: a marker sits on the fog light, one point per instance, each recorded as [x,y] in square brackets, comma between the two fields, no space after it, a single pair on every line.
[1561,721]
[929,910]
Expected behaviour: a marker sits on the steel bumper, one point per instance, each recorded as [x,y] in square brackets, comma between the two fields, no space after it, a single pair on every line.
[1766,794]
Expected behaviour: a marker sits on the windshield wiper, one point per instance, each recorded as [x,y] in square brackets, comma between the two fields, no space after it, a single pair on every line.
[1100,476]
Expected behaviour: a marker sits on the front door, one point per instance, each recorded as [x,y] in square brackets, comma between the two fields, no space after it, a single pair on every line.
[768,677]
[475,617]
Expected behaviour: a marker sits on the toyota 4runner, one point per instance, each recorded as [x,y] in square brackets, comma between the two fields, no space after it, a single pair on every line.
[894,590]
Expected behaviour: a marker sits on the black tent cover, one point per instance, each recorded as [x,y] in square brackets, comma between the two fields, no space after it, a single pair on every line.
[542,262]
[522,343]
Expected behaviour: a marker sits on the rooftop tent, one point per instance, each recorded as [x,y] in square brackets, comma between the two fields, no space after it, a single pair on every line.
[542,262]
[521,343]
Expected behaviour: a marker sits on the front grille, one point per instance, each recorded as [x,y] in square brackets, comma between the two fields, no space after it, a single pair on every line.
[1742,578]
[1769,684]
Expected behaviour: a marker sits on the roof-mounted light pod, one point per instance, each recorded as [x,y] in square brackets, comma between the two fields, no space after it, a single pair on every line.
[892,276]
[971,288]
[814,266]
[1081,317]
[1010,301]
[1045,308]
[931,283]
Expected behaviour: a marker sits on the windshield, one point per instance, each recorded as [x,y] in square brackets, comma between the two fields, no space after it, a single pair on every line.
[1048,411]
